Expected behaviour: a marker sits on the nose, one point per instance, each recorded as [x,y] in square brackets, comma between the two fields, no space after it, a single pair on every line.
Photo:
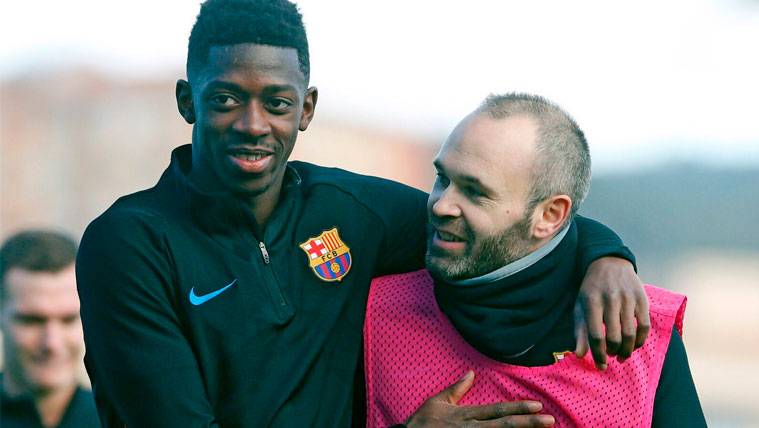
[53,337]
[443,203]
[254,120]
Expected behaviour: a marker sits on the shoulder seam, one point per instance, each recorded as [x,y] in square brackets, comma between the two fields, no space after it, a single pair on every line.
[359,201]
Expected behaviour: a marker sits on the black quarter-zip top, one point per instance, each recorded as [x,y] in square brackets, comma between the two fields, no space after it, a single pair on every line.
[231,324]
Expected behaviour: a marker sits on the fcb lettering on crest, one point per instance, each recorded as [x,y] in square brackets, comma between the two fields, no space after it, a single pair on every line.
[328,256]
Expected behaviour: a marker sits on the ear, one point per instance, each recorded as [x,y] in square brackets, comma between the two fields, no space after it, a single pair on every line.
[309,107]
[550,215]
[184,101]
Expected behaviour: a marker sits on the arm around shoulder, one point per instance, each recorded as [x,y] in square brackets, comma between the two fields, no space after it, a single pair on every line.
[611,313]
[404,214]
[596,240]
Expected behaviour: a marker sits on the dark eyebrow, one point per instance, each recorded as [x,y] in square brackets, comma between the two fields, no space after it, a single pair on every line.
[477,183]
[270,89]
[29,318]
[280,88]
[215,85]
[468,179]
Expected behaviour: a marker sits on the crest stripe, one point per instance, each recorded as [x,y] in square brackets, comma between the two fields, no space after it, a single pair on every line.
[331,238]
[324,271]
[342,260]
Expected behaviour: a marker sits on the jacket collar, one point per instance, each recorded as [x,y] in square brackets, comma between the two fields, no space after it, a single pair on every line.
[517,266]
[221,211]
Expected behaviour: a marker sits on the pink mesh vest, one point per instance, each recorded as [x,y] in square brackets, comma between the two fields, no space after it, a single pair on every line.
[412,352]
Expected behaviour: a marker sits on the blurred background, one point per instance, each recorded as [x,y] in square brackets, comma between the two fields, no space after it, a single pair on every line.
[665,91]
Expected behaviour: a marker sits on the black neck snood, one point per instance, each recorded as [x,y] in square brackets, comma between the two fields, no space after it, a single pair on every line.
[506,318]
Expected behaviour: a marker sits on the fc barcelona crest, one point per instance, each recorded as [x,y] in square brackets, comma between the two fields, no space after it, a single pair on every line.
[328,255]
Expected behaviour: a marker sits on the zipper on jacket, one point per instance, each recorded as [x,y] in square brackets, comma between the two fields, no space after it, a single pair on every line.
[284,311]
[264,253]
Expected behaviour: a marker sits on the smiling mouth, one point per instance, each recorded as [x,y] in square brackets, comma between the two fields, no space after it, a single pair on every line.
[250,156]
[249,153]
[448,237]
[250,161]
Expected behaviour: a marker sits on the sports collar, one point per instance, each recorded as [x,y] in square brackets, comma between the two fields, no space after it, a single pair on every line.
[219,210]
[517,265]
[504,318]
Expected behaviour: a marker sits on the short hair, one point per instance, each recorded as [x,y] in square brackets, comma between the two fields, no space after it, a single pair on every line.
[562,164]
[230,22]
[36,251]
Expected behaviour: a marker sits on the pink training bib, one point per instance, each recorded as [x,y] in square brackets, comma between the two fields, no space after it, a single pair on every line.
[412,352]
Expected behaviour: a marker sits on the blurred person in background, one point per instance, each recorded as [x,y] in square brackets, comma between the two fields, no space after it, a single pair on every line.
[232,293]
[42,334]
[497,296]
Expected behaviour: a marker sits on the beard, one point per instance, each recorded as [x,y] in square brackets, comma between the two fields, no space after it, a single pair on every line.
[482,255]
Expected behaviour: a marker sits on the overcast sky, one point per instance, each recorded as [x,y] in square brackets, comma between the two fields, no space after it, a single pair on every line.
[646,80]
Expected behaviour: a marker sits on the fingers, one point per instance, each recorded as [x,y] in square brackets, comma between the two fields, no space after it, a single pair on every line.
[581,331]
[596,337]
[456,391]
[612,294]
[634,308]
[644,319]
[612,310]
[628,329]
[499,410]
[521,421]
[442,408]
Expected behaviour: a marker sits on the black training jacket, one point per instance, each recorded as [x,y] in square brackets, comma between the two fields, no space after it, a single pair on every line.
[196,317]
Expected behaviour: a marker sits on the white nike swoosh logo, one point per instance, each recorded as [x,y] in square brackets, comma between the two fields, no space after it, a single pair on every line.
[199,300]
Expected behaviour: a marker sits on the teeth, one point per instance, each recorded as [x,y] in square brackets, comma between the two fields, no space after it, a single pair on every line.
[250,157]
[448,237]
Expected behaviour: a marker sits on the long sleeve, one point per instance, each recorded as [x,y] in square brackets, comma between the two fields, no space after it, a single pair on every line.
[595,240]
[404,214]
[141,365]
[676,402]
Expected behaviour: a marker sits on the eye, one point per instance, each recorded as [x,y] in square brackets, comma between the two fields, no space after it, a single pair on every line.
[29,320]
[442,180]
[224,101]
[70,319]
[472,192]
[279,105]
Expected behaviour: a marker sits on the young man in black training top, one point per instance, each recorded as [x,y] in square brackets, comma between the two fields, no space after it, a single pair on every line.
[232,293]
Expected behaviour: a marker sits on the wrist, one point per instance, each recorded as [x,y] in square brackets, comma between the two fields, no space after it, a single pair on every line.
[611,261]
